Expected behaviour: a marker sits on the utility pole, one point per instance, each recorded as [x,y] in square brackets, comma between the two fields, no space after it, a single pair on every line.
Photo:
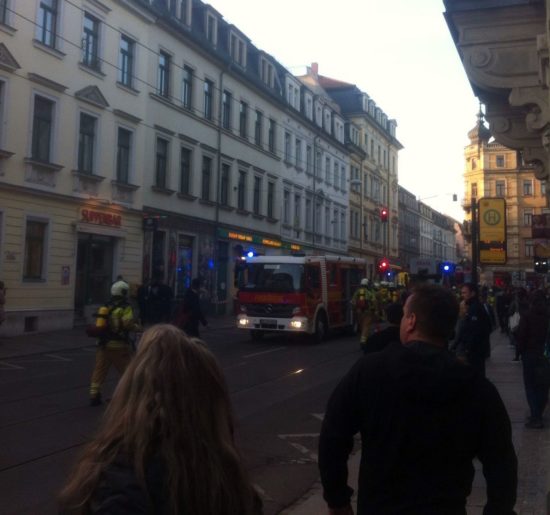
[475,242]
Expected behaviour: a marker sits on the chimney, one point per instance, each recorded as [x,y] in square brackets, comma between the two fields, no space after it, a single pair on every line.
[315,69]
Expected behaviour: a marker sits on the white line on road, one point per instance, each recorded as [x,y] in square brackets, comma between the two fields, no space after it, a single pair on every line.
[264,352]
[10,366]
[60,358]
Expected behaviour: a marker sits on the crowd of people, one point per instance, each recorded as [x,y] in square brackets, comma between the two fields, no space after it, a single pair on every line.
[418,397]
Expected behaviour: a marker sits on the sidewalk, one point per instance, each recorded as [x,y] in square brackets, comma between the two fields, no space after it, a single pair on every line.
[38,343]
[532,447]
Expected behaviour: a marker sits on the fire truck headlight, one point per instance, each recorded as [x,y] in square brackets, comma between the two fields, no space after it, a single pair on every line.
[243,322]
[296,324]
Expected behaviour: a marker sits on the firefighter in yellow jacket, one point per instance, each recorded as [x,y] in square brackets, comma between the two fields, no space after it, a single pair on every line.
[113,324]
[364,305]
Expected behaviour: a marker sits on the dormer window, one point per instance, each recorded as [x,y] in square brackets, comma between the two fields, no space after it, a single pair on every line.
[237,49]
[211,28]
[267,72]
[293,94]
[327,124]
[319,115]
[309,107]
[365,102]
[185,11]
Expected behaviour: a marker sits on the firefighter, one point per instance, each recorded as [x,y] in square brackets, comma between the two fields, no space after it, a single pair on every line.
[364,306]
[114,321]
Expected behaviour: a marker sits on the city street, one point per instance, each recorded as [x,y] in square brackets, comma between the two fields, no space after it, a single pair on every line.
[279,387]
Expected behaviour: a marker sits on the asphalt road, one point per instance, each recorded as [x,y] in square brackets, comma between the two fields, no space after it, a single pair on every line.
[279,388]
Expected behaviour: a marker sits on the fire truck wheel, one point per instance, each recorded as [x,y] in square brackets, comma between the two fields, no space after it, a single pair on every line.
[256,335]
[321,331]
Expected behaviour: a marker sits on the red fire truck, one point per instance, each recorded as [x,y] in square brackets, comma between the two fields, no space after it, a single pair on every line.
[308,295]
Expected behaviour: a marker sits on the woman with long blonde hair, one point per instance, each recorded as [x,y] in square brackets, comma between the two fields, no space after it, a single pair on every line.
[165,445]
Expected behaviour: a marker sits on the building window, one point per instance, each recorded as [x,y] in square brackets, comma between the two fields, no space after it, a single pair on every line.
[297,212]
[42,129]
[164,74]
[187,87]
[4,12]
[529,248]
[527,188]
[270,199]
[286,207]
[336,175]
[500,188]
[287,147]
[86,143]
[226,110]
[308,159]
[224,184]
[47,20]
[317,170]
[243,115]
[208,92]
[258,128]
[126,58]
[241,191]
[266,72]
[161,167]
[90,42]
[35,250]
[185,171]
[474,190]
[298,153]
[308,214]
[527,217]
[237,49]
[334,222]
[343,178]
[271,136]
[366,227]
[328,178]
[211,29]
[543,187]
[124,145]
[257,195]
[500,161]
[206,177]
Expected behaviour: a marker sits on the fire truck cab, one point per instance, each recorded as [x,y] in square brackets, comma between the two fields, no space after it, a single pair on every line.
[308,295]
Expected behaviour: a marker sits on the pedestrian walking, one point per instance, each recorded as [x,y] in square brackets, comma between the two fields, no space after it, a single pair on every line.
[423,417]
[114,322]
[166,443]
[190,312]
[474,331]
[389,334]
[518,307]
[363,303]
[532,335]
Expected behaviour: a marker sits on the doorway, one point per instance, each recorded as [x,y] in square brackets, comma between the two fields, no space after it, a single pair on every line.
[94,270]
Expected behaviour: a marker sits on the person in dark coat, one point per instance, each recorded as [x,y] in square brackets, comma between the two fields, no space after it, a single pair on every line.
[423,416]
[390,334]
[190,313]
[473,339]
[520,305]
[166,444]
[531,338]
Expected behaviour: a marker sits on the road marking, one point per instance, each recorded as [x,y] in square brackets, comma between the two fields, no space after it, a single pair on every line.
[9,366]
[299,447]
[264,352]
[60,358]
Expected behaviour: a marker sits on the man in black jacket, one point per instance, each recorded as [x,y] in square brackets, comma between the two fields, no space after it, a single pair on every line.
[190,312]
[473,340]
[423,417]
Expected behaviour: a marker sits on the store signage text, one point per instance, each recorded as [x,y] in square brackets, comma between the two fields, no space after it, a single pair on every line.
[97,217]
[250,238]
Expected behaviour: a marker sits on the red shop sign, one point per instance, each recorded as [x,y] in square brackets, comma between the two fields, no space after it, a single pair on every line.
[97,217]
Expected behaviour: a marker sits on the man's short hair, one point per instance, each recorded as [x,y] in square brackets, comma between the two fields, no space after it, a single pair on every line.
[436,311]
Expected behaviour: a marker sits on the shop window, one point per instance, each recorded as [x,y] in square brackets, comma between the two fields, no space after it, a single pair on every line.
[35,250]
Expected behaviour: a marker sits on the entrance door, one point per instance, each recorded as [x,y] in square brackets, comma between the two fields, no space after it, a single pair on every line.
[94,270]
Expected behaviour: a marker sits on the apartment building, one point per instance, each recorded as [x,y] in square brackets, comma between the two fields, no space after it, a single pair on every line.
[493,170]
[409,228]
[151,139]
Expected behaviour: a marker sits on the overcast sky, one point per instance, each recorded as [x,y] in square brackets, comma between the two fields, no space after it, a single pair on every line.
[401,53]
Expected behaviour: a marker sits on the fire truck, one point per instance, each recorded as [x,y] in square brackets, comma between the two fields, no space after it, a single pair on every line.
[304,295]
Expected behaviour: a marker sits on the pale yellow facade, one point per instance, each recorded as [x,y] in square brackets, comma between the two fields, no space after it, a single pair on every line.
[492,170]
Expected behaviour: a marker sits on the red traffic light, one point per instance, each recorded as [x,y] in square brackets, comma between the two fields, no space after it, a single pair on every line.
[384,214]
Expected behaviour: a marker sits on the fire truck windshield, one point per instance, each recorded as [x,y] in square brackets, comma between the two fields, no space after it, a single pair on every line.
[275,277]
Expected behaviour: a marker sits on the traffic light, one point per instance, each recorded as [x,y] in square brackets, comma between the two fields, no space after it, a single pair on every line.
[384,214]
[541,265]
[383,265]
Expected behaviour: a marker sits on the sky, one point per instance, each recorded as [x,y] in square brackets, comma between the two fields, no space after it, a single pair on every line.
[401,53]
